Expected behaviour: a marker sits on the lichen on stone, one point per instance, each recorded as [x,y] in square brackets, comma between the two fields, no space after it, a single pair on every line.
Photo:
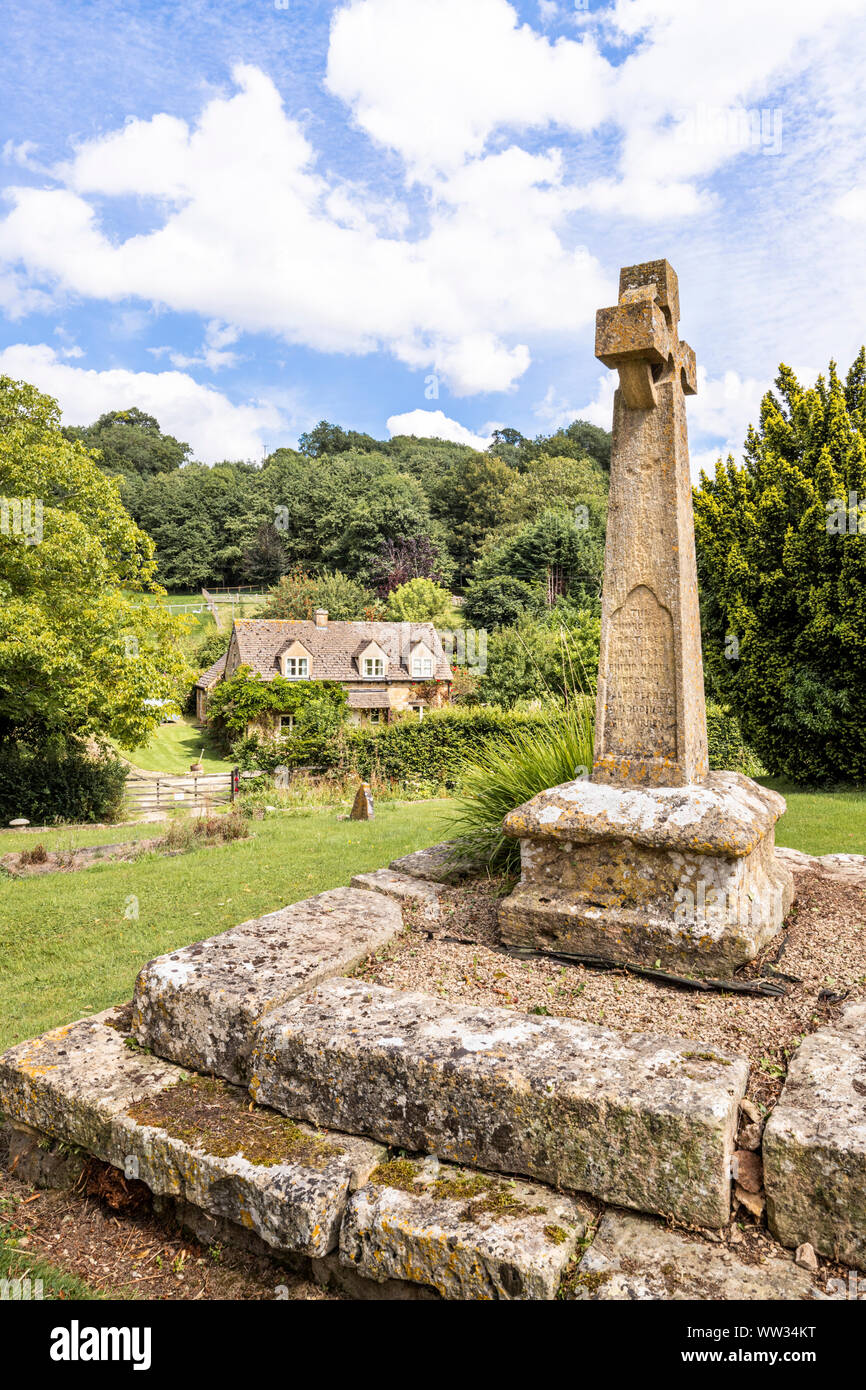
[217,1118]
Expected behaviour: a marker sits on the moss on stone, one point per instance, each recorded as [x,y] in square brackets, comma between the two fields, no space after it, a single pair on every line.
[396,1172]
[555,1234]
[213,1116]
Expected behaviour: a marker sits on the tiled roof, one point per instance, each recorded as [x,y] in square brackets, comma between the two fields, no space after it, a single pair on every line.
[213,673]
[335,649]
[369,699]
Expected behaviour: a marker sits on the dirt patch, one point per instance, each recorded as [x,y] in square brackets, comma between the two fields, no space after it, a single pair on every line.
[219,1118]
[824,946]
[129,1252]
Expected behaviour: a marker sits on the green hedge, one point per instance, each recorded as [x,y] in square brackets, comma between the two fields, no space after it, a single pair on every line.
[434,749]
[728,752]
[431,750]
[54,786]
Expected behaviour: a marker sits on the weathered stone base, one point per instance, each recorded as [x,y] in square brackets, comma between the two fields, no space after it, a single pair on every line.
[86,1087]
[643,1121]
[403,888]
[200,1006]
[635,1258]
[463,1233]
[679,878]
[815,1144]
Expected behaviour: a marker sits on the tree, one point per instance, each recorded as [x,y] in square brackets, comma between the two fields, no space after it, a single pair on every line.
[556,552]
[410,557]
[501,601]
[468,499]
[420,601]
[129,441]
[782,560]
[81,647]
[548,661]
[327,439]
[299,594]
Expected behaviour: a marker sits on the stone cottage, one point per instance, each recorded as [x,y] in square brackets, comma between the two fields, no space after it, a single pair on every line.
[386,668]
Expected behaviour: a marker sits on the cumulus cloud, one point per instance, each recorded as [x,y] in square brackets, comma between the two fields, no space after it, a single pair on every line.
[313,268]
[435,424]
[215,427]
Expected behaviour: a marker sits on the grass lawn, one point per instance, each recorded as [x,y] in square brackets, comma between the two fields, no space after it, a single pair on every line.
[70,944]
[65,837]
[821,822]
[173,747]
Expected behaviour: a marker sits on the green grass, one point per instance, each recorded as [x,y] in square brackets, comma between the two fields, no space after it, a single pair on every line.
[172,747]
[22,1264]
[68,838]
[68,949]
[820,822]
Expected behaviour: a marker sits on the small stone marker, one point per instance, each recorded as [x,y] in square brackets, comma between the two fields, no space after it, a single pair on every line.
[653,860]
[19,824]
[362,807]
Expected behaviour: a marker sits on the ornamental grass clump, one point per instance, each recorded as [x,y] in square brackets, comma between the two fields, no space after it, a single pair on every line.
[505,774]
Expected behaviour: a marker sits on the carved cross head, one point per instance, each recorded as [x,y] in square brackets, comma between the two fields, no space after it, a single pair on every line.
[639,335]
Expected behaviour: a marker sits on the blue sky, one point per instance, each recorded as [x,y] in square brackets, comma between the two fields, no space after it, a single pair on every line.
[401,215]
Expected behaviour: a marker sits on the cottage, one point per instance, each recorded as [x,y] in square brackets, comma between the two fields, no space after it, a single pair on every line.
[386,668]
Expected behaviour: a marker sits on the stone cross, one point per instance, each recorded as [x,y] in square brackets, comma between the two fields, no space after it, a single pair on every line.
[651,723]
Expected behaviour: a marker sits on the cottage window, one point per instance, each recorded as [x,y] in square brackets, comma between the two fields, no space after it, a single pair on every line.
[297,668]
[422,666]
[374,666]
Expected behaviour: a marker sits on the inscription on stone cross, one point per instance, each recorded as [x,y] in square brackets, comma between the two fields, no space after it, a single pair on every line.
[651,720]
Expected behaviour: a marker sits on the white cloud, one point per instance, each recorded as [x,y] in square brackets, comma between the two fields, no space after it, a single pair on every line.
[250,239]
[214,354]
[434,424]
[852,205]
[216,428]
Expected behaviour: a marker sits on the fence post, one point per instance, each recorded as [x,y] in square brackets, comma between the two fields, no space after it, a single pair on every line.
[236,781]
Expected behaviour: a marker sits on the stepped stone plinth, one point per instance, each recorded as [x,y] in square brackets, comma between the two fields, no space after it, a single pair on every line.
[651,858]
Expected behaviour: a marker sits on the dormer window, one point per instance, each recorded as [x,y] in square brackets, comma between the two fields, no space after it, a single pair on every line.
[297,668]
[374,666]
[421,661]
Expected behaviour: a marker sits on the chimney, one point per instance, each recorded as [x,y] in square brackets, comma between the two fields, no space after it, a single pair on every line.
[321,617]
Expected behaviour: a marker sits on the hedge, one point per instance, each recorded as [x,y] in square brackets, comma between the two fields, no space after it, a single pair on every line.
[434,749]
[53,786]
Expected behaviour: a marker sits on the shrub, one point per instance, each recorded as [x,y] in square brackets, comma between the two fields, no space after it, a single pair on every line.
[419,601]
[509,772]
[210,830]
[782,561]
[60,784]
[727,750]
[433,751]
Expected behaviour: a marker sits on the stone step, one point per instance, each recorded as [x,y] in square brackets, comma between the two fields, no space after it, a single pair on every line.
[186,1136]
[466,1234]
[199,1006]
[643,1121]
[815,1144]
[437,864]
[403,887]
[634,1258]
